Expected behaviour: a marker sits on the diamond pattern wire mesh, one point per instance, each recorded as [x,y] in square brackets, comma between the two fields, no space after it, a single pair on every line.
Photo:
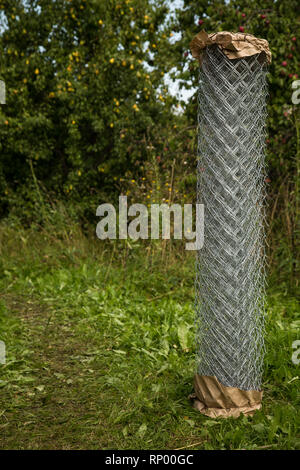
[230,275]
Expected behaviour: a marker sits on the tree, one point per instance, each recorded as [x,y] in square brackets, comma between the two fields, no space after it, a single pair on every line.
[84,85]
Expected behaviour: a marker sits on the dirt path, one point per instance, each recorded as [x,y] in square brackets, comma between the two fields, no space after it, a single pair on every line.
[55,404]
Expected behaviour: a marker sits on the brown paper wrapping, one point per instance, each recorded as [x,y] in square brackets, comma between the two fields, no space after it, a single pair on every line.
[234,45]
[215,400]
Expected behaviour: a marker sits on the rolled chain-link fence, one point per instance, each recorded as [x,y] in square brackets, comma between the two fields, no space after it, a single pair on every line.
[230,267]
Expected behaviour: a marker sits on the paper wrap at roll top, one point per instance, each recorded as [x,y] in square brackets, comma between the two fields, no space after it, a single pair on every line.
[234,45]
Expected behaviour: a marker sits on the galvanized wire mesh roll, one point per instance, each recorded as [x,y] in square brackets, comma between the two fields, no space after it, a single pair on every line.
[230,267]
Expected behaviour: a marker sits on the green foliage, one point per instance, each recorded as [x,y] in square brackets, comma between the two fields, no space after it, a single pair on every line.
[100,352]
[88,117]
[84,86]
[88,110]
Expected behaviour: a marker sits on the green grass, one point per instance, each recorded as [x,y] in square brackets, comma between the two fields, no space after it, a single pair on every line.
[100,350]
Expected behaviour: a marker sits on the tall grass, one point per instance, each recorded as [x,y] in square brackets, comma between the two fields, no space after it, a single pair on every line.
[100,347]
